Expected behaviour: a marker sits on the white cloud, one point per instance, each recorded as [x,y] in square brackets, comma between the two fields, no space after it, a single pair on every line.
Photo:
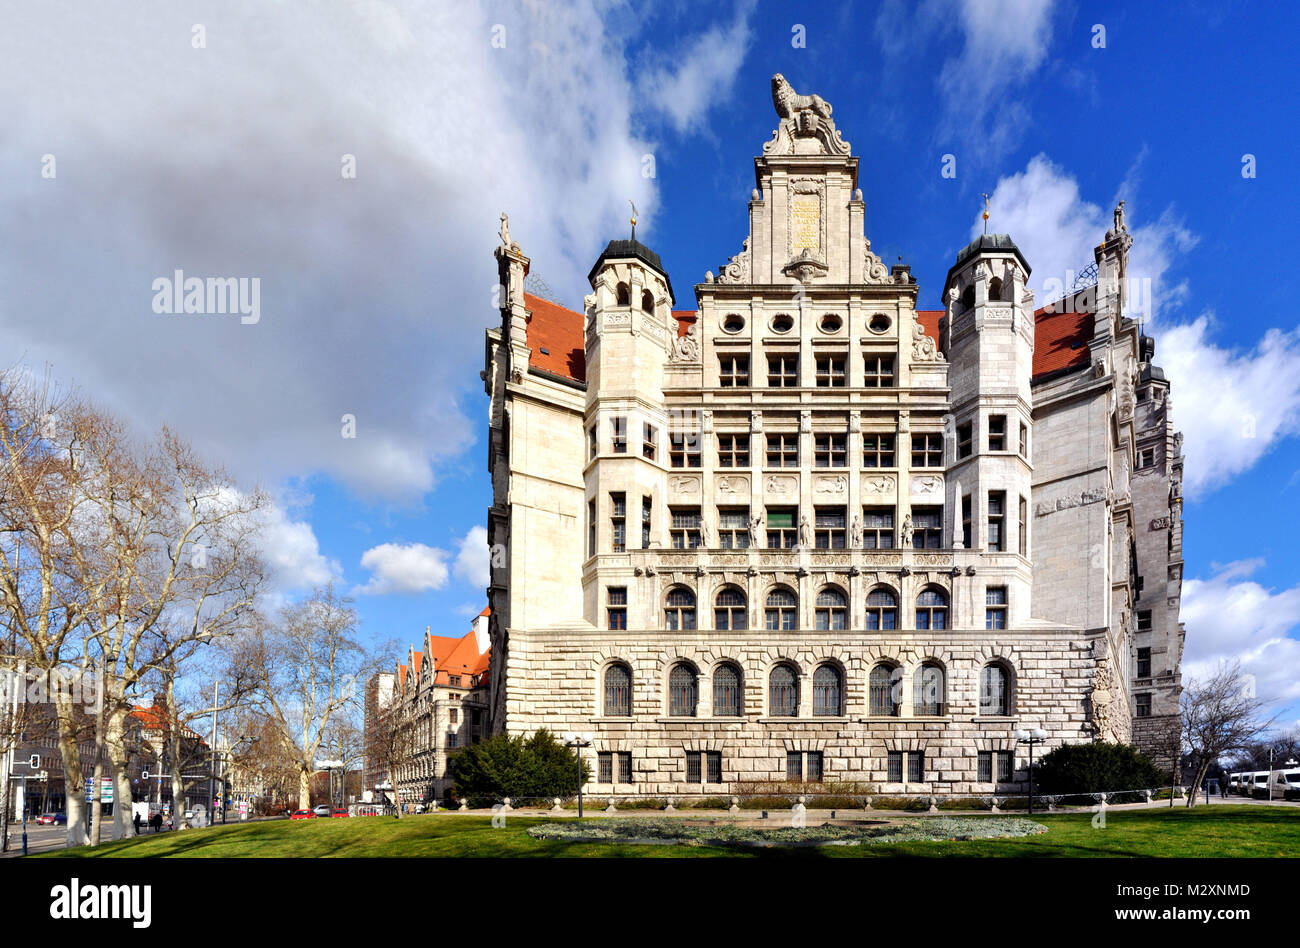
[1230,617]
[473,564]
[403,568]
[293,553]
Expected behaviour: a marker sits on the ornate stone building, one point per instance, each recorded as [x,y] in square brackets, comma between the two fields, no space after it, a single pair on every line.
[806,531]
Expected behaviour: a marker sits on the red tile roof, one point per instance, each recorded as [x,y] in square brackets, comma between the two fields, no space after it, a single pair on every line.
[685,319]
[1060,339]
[555,334]
[929,320]
[155,719]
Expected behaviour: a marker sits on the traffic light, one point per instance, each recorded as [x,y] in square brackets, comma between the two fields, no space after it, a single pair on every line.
[35,762]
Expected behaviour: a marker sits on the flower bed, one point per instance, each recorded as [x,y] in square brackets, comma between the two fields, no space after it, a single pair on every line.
[687,832]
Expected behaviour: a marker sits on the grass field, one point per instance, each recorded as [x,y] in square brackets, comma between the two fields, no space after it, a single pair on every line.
[1221,831]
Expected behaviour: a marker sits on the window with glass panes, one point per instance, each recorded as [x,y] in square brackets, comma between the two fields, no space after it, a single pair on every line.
[783,692]
[894,771]
[733,450]
[830,371]
[591,443]
[829,530]
[616,606]
[927,449]
[729,609]
[964,440]
[624,766]
[878,528]
[591,528]
[1144,662]
[915,766]
[685,527]
[831,610]
[618,691]
[604,767]
[927,691]
[813,766]
[830,450]
[1143,702]
[794,765]
[782,371]
[694,773]
[713,766]
[828,691]
[1005,766]
[618,522]
[733,528]
[1024,441]
[679,608]
[877,450]
[932,609]
[684,447]
[733,371]
[618,436]
[683,691]
[726,691]
[649,441]
[782,534]
[882,609]
[995,607]
[966,521]
[1022,525]
[879,371]
[647,515]
[783,450]
[1144,620]
[704,766]
[882,687]
[997,432]
[781,612]
[927,528]
[997,521]
[993,690]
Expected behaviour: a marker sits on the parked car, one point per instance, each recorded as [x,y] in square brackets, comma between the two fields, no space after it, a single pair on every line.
[341,814]
[302,815]
[46,819]
[322,811]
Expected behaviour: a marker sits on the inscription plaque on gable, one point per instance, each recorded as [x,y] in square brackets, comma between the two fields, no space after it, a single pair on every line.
[807,219]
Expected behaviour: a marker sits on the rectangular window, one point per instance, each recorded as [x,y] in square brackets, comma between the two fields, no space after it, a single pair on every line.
[878,528]
[879,371]
[733,450]
[997,520]
[877,450]
[618,428]
[625,767]
[591,443]
[616,608]
[1144,662]
[452,739]
[733,371]
[927,528]
[830,529]
[684,449]
[733,528]
[1006,766]
[1144,705]
[995,607]
[782,371]
[927,449]
[814,769]
[1024,441]
[783,450]
[793,765]
[830,372]
[781,529]
[915,766]
[713,760]
[693,771]
[604,767]
[965,521]
[1146,458]
[591,528]
[685,529]
[964,440]
[997,432]
[985,767]
[1023,525]
[453,715]
[618,522]
[649,442]
[895,772]
[830,450]
[1144,620]
[647,514]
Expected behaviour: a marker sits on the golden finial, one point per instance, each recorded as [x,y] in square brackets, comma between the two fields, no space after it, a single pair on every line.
[985,215]
[633,218]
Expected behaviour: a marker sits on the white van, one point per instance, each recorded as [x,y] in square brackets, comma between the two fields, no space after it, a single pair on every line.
[1259,785]
[1286,784]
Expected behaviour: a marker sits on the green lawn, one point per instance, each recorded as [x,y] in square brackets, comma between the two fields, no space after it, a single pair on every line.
[1214,831]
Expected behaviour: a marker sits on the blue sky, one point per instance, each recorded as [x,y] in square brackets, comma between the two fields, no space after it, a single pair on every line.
[223,158]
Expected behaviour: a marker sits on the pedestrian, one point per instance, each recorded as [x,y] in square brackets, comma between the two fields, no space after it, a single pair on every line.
[137,824]
[1223,788]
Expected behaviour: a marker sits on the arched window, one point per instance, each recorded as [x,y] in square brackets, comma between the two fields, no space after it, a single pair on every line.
[683,691]
[726,691]
[782,609]
[618,691]
[995,288]
[882,608]
[624,295]
[679,612]
[932,609]
[647,301]
[729,609]
[995,697]
[828,691]
[883,690]
[832,609]
[927,690]
[783,692]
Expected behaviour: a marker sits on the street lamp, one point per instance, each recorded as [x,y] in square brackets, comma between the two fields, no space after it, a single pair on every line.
[578,742]
[1036,736]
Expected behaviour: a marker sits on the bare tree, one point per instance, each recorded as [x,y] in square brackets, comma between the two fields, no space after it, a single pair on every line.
[1220,715]
[307,666]
[394,740]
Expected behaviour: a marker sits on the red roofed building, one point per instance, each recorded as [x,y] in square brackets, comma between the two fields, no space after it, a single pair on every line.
[807,530]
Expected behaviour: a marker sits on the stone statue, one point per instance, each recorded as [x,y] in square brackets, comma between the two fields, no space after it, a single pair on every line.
[755,525]
[905,540]
[505,230]
[1119,218]
[788,102]
[855,533]
[706,537]
[805,532]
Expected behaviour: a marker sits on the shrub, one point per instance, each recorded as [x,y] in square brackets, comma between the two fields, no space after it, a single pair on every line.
[1096,768]
[516,767]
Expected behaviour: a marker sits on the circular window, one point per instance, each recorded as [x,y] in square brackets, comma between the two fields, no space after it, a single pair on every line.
[879,323]
[831,323]
[733,322]
[782,323]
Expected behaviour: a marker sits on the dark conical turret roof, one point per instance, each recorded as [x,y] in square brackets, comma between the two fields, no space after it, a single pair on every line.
[997,243]
[625,249]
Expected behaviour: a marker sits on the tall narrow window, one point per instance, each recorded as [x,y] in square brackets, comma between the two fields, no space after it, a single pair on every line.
[878,528]
[618,427]
[1006,765]
[1022,524]
[604,767]
[882,609]
[618,691]
[649,441]
[624,766]
[997,432]
[1144,662]
[713,766]
[830,450]
[932,609]
[997,520]
[683,691]
[993,691]
[964,440]
[995,607]
[729,611]
[794,765]
[618,522]
[1144,620]
[726,691]
[647,517]
[894,770]
[877,450]
[685,529]
[781,531]
[830,372]
[782,610]
[883,692]
[783,692]
[915,766]
[733,528]
[927,691]
[827,691]
[927,449]
[813,773]
[832,610]
[693,772]
[927,528]
[679,610]
[684,443]
[783,450]
[878,371]
[1143,705]
[733,450]
[592,447]
[782,371]
[591,528]
[1024,441]
[616,608]
[733,371]
[965,521]
[829,531]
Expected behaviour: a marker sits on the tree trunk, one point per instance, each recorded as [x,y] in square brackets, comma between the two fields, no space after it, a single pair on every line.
[96,788]
[73,777]
[119,760]
[304,787]
[1201,770]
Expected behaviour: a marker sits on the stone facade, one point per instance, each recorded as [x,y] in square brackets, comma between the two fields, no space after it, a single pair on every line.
[938,499]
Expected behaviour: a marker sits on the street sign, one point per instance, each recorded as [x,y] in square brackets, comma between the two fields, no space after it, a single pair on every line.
[106,790]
